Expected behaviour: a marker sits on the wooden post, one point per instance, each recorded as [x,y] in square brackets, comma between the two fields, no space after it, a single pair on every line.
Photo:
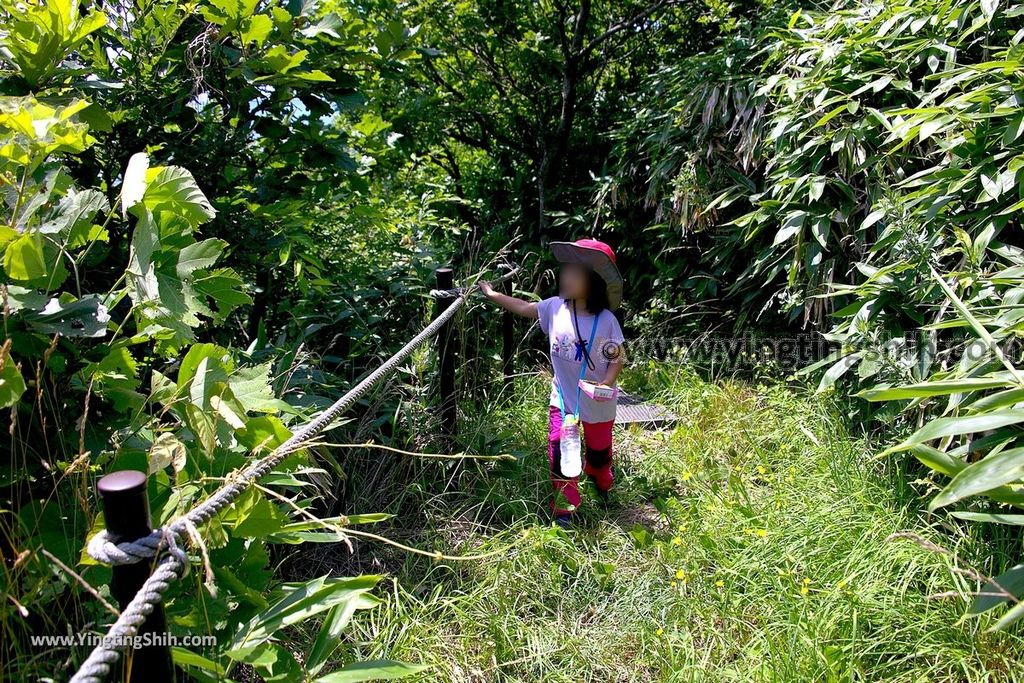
[507,333]
[447,404]
[126,510]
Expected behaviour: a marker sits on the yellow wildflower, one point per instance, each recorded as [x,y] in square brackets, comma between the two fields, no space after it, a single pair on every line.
[680,574]
[761,533]
[659,632]
[720,583]
[687,476]
[677,541]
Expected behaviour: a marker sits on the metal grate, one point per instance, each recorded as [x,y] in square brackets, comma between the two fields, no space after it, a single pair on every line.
[632,409]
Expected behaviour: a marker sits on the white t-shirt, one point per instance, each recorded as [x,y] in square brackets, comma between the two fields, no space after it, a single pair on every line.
[556,320]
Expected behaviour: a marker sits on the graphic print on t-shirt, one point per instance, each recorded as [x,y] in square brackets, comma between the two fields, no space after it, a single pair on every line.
[564,346]
[567,347]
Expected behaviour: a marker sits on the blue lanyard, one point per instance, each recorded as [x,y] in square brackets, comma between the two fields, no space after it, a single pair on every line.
[583,371]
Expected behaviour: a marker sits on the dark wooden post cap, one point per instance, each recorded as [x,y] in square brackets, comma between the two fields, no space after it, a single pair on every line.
[125,504]
[124,481]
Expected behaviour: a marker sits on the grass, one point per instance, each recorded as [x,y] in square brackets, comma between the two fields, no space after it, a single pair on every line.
[749,543]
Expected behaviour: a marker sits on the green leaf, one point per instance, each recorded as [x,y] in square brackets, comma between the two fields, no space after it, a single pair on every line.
[263,434]
[12,385]
[991,595]
[203,426]
[40,36]
[301,601]
[990,517]
[330,24]
[314,531]
[328,638]
[1012,615]
[188,658]
[383,669]
[257,517]
[978,328]
[988,9]
[173,189]
[167,450]
[251,386]
[988,473]
[951,426]
[940,461]
[85,317]
[204,372]
[820,228]
[257,28]
[24,259]
[115,378]
[198,255]
[73,216]
[838,369]
[791,226]
[23,299]
[938,388]
[279,60]
[224,287]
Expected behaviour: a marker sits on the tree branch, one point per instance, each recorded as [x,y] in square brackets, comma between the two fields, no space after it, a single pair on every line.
[626,23]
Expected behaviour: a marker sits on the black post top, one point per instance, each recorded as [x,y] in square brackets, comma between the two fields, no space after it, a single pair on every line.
[122,482]
[125,504]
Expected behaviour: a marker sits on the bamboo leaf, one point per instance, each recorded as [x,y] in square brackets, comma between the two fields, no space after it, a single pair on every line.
[989,473]
[936,388]
[990,517]
[301,602]
[951,426]
[992,592]
[383,669]
[976,325]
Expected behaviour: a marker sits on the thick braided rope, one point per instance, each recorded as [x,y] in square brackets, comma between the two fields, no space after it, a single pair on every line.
[105,655]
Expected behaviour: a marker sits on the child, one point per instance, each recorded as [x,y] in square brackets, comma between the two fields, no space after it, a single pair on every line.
[584,337]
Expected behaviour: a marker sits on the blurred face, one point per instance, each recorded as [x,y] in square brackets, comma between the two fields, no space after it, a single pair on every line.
[572,281]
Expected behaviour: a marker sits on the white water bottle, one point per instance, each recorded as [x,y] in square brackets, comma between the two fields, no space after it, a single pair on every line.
[570,460]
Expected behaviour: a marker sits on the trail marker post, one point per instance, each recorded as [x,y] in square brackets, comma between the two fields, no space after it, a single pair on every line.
[446,357]
[126,511]
[507,332]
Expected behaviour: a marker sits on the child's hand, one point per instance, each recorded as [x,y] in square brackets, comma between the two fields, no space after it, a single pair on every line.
[486,288]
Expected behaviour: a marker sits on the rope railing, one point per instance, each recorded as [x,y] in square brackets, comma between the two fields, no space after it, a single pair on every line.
[176,535]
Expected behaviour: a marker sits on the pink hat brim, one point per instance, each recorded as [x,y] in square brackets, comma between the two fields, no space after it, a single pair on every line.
[570,252]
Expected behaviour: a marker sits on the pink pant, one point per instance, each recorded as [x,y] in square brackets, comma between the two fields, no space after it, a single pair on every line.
[597,464]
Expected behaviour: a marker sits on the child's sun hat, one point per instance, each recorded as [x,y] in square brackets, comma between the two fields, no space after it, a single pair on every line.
[597,255]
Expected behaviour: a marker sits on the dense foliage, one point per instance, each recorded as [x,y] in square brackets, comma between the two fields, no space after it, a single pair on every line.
[218,213]
[864,171]
[128,340]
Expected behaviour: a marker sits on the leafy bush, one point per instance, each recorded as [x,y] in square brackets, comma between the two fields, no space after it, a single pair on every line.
[874,153]
[108,284]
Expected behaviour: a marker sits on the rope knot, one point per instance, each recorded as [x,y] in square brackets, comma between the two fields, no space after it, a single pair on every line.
[102,547]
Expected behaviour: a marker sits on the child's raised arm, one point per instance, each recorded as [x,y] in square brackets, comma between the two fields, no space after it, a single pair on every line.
[527,309]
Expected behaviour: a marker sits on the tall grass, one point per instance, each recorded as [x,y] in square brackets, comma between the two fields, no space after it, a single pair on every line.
[751,542]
